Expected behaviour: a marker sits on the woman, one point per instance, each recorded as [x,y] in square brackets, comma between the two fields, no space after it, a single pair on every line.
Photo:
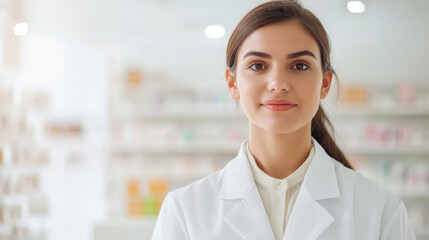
[289,180]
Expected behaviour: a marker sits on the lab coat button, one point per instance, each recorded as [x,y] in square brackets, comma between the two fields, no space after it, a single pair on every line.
[283,185]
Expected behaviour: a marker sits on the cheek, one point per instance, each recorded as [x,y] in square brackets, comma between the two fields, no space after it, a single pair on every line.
[309,91]
[250,87]
[248,93]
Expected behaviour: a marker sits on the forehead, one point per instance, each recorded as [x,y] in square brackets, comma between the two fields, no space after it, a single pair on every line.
[280,39]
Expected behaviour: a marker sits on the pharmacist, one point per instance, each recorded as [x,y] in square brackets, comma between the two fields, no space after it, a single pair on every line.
[289,180]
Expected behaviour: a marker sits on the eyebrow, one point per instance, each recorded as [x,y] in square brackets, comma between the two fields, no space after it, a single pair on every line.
[289,56]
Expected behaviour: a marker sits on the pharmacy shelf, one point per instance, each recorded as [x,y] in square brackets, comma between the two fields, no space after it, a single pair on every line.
[149,220]
[401,111]
[223,149]
[22,168]
[7,110]
[233,148]
[198,112]
[388,150]
[126,228]
[14,197]
[22,141]
[195,115]
[189,116]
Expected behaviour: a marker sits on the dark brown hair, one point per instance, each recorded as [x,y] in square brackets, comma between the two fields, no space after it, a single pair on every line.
[280,11]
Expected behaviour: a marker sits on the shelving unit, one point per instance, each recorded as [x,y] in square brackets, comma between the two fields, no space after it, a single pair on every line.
[133,229]
[389,150]
[163,131]
[23,203]
[386,135]
[188,112]
[160,130]
[174,149]
[403,111]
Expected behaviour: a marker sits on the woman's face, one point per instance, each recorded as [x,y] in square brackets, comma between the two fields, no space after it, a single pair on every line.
[279,79]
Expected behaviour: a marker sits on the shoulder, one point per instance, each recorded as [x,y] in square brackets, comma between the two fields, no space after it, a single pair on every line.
[360,184]
[233,180]
[374,201]
[366,193]
[199,190]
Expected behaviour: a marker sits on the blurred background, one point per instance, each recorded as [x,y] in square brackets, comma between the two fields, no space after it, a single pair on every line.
[107,105]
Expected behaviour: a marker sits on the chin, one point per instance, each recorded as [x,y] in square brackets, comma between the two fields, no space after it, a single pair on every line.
[279,127]
[283,130]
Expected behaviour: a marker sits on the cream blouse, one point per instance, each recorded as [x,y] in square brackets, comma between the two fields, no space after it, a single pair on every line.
[278,195]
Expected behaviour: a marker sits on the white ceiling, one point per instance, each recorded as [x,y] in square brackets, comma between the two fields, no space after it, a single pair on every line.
[390,41]
[114,20]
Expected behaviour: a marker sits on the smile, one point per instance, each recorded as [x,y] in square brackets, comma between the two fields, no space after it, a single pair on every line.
[278,105]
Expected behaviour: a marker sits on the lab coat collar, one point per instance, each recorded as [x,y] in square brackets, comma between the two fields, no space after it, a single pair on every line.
[320,179]
[238,178]
[308,218]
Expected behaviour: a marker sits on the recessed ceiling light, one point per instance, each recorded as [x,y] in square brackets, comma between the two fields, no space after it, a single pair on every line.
[21,29]
[214,31]
[356,6]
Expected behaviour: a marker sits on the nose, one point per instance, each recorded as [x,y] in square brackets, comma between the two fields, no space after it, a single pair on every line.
[278,82]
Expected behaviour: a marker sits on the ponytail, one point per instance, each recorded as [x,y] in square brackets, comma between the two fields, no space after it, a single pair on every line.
[320,132]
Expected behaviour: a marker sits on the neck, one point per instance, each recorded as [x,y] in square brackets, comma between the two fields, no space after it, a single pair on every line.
[279,155]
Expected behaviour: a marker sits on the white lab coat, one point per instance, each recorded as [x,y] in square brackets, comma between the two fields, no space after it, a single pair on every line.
[334,203]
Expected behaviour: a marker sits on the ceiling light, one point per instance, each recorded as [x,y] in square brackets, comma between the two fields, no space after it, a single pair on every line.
[356,6]
[21,29]
[214,31]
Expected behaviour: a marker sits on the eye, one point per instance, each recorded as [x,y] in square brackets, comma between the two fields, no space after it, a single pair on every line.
[257,67]
[300,67]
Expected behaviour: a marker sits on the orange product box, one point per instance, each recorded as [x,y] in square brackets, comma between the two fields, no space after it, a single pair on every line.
[158,188]
[134,77]
[133,188]
[354,94]
[135,206]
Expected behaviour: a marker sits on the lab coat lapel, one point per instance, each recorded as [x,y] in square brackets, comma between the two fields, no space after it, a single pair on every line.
[309,218]
[248,218]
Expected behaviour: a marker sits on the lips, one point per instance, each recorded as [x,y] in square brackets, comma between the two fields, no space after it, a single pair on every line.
[278,105]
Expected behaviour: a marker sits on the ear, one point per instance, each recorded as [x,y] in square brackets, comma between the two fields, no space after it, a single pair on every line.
[232,86]
[326,84]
